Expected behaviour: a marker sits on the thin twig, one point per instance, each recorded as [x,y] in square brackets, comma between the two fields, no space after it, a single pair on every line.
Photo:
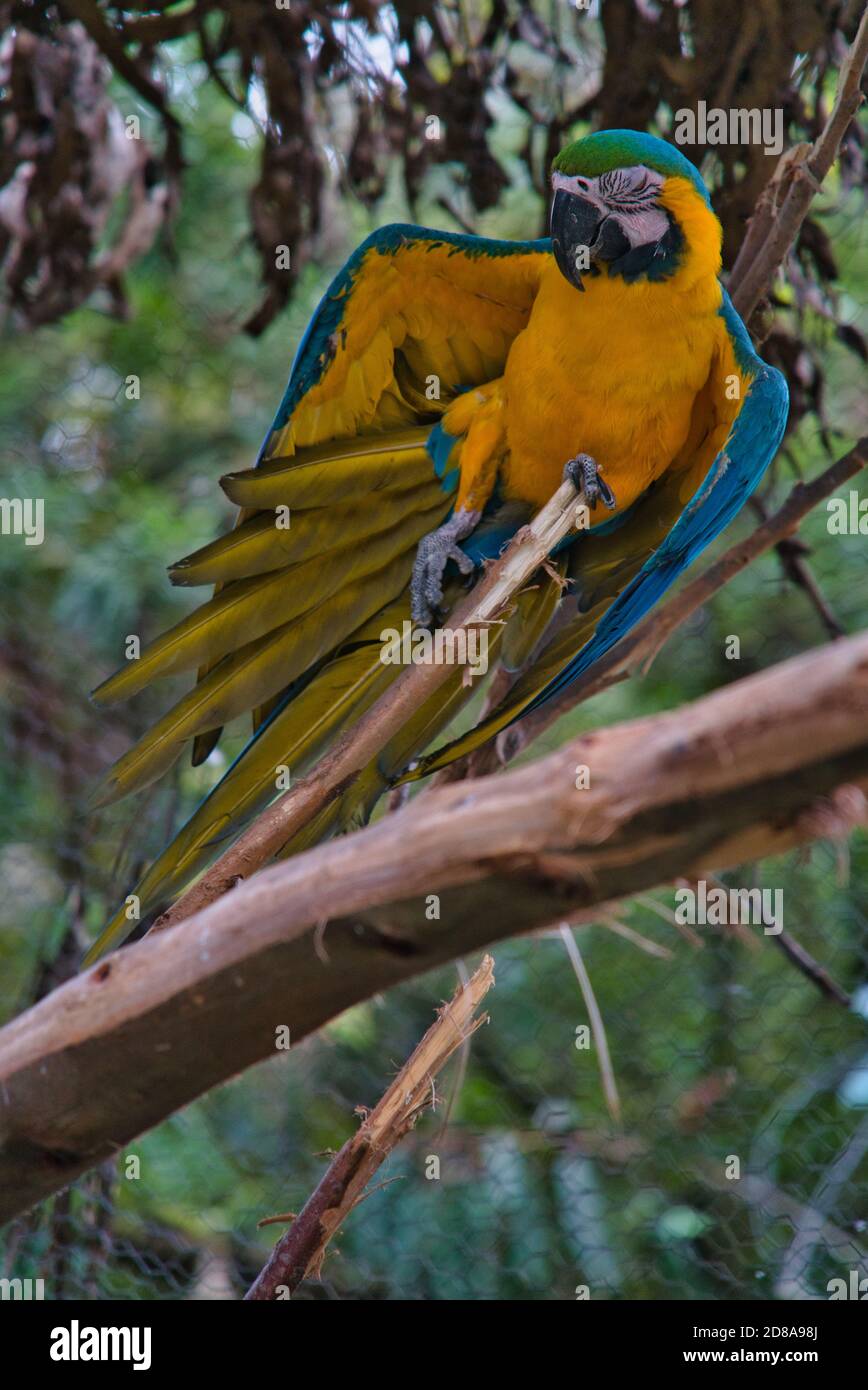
[461,1067]
[791,552]
[301,1250]
[639,647]
[598,1027]
[651,948]
[779,217]
[359,745]
[668,915]
[810,968]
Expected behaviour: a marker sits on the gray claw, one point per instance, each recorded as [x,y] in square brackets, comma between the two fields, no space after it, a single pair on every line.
[586,476]
[433,555]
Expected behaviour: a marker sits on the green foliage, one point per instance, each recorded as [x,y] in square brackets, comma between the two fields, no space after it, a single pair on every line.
[721,1049]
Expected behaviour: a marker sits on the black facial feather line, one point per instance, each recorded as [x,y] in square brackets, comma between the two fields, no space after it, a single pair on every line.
[615,187]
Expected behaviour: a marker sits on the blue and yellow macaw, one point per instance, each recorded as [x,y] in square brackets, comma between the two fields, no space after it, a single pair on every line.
[442,387]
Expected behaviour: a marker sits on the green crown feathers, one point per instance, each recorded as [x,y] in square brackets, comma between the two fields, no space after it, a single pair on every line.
[616,149]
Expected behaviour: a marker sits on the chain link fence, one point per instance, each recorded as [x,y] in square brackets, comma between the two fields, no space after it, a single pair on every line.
[736,1165]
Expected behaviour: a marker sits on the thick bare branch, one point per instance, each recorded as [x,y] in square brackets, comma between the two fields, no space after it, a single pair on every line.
[756,768]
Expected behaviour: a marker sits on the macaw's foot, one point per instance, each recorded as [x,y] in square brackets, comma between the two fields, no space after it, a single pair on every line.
[585,475]
[434,553]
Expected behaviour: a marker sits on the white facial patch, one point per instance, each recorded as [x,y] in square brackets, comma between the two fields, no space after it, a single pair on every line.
[629,195]
[577,183]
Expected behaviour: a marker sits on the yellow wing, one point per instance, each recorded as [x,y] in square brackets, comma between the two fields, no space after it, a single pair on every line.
[353,472]
[351,476]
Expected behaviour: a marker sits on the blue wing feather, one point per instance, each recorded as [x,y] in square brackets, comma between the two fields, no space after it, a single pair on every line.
[751,446]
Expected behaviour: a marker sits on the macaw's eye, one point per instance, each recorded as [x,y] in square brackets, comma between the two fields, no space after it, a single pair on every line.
[629,188]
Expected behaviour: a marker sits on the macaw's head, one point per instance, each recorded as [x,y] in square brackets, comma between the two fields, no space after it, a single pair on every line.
[631,203]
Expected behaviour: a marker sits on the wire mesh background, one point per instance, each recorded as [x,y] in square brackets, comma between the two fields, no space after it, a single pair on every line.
[721,1050]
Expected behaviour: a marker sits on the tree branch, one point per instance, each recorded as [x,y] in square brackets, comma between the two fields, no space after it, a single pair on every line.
[758,767]
[780,214]
[271,830]
[637,650]
[355,749]
[792,552]
[299,1254]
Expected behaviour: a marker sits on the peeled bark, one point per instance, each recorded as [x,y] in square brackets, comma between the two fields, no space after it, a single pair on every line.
[756,768]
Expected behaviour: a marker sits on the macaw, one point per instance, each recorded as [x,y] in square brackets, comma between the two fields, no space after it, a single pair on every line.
[444,386]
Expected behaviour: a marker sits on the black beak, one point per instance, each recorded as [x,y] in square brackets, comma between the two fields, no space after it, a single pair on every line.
[576,224]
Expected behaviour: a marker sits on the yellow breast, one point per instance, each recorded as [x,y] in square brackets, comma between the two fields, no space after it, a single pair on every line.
[612,372]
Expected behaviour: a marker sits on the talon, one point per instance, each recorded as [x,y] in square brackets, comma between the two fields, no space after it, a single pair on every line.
[586,476]
[433,555]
